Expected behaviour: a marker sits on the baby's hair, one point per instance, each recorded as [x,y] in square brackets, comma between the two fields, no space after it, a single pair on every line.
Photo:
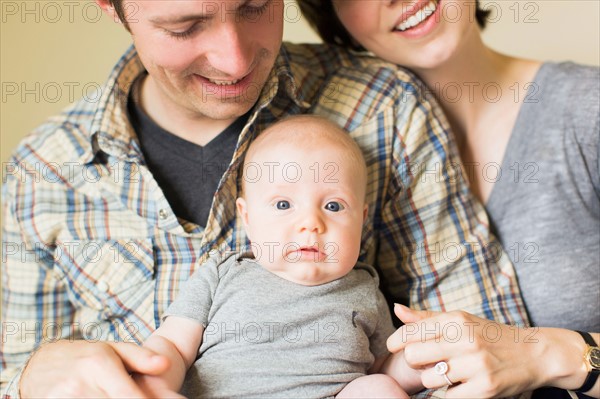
[300,130]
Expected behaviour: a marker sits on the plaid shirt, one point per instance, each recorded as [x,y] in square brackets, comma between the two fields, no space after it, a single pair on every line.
[92,249]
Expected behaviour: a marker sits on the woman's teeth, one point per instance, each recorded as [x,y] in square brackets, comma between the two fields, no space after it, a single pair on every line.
[419,17]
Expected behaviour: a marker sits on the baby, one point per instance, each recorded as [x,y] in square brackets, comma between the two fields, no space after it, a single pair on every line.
[298,316]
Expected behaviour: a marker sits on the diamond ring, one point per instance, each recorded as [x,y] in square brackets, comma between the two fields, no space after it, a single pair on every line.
[441,368]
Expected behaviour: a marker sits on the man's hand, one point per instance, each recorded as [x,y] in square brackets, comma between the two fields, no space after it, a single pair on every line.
[155,387]
[80,369]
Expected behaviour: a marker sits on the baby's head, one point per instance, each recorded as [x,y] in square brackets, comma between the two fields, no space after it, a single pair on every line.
[303,199]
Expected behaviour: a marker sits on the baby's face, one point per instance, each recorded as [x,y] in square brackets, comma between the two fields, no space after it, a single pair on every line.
[304,209]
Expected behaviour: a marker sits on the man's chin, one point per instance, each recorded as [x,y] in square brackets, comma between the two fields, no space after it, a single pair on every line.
[228,109]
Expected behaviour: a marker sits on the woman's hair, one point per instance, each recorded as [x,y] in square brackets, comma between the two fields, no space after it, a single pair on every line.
[321,15]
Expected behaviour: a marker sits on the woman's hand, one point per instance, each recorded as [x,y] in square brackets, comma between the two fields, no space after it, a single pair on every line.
[485,358]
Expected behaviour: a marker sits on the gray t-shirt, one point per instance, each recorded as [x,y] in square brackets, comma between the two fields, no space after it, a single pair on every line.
[268,337]
[545,207]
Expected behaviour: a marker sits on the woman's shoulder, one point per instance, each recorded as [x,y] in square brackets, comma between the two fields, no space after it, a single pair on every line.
[568,94]
[568,72]
[574,87]
[571,67]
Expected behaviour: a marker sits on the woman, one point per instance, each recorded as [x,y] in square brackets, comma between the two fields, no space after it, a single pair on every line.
[528,135]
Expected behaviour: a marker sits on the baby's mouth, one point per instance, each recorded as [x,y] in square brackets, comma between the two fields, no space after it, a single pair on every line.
[309,252]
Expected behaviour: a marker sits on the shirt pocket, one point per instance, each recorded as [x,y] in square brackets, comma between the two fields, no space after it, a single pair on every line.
[110,277]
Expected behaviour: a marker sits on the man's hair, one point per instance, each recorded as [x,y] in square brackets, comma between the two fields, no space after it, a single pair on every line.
[118,6]
[321,15]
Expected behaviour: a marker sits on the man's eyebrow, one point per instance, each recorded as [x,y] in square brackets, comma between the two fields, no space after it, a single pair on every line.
[190,17]
[179,19]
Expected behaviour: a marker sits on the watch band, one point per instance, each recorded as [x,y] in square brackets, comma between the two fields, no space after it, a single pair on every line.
[593,374]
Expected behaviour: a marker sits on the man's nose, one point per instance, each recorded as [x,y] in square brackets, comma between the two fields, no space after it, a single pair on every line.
[232,53]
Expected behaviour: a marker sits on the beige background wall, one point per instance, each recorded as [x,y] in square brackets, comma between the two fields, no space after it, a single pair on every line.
[52,51]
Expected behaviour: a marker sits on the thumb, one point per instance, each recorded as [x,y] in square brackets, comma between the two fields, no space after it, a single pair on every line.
[138,359]
[408,315]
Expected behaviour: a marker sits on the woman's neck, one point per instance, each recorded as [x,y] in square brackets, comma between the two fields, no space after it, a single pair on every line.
[481,92]
[466,85]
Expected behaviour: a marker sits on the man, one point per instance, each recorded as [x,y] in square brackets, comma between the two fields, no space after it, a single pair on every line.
[131,209]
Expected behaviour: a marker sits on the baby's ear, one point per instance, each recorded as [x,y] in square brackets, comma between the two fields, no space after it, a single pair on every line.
[365,213]
[242,211]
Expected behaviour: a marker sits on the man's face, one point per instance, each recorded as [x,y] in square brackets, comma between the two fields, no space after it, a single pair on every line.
[206,59]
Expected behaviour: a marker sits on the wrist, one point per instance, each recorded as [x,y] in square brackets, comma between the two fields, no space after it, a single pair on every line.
[562,364]
[591,361]
[408,378]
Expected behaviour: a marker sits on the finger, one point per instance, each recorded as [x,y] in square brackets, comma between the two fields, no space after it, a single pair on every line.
[449,326]
[121,388]
[115,380]
[139,359]
[466,390]
[422,354]
[463,370]
[432,379]
[408,315]
[420,331]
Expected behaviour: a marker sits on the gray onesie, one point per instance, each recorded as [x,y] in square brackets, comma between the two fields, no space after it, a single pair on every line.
[268,337]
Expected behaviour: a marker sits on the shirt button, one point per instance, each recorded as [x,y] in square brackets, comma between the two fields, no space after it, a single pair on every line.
[102,286]
[162,214]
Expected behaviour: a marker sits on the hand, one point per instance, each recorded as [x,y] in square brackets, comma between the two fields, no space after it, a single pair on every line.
[155,387]
[485,358]
[77,369]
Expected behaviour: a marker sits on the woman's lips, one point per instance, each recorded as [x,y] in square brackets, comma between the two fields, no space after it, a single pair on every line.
[423,28]
[416,15]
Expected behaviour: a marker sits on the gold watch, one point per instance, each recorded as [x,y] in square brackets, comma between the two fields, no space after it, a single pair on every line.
[592,362]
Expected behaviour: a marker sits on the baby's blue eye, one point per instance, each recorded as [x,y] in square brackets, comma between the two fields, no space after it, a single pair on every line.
[283,205]
[334,206]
